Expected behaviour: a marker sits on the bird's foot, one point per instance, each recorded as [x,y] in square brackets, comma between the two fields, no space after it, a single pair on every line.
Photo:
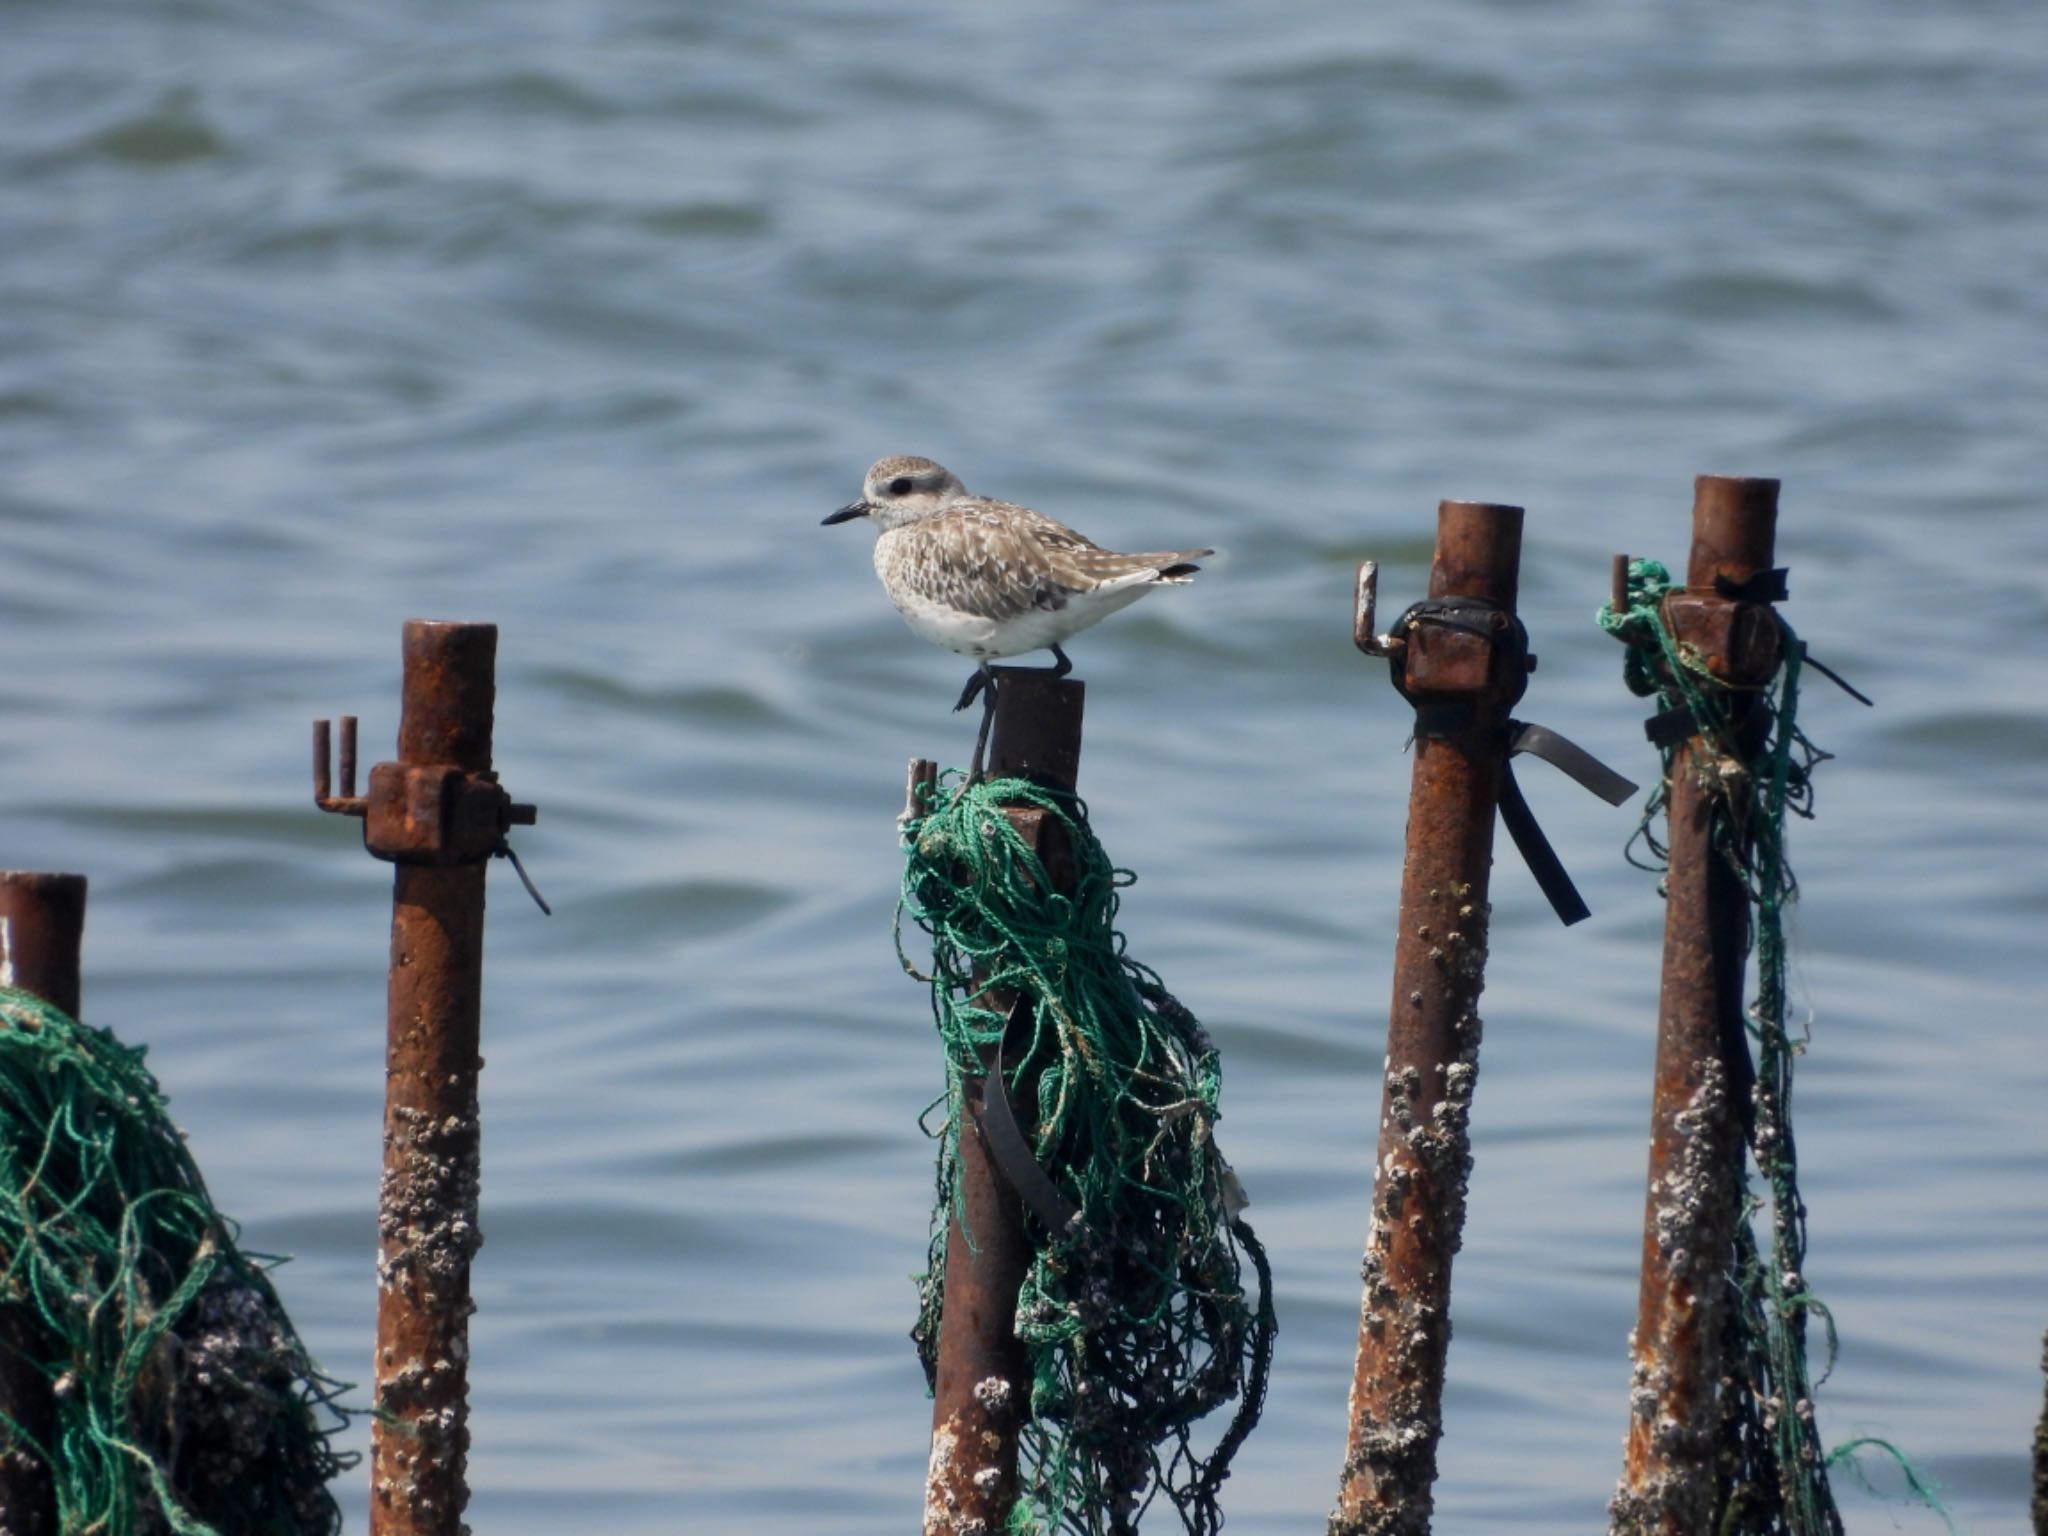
[1060,667]
[983,685]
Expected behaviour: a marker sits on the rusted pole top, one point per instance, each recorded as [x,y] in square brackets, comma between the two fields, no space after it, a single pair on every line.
[1478,552]
[427,1215]
[42,924]
[981,1385]
[1703,1071]
[1433,1029]
[1734,528]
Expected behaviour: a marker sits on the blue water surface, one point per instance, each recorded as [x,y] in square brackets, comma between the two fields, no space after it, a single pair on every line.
[317,317]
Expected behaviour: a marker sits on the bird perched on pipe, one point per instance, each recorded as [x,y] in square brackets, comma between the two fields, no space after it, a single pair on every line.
[989,578]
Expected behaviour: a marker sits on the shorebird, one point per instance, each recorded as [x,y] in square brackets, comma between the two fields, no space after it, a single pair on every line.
[990,579]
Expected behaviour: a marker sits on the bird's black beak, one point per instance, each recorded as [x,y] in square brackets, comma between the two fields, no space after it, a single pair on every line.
[847,513]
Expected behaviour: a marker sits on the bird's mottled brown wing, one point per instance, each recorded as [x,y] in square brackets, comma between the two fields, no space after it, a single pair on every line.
[1060,558]
[997,560]
[971,562]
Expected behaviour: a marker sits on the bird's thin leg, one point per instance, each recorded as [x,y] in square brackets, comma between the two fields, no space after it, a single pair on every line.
[984,677]
[988,716]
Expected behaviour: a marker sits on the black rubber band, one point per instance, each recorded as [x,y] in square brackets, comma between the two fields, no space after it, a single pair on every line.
[1433,722]
[1011,1154]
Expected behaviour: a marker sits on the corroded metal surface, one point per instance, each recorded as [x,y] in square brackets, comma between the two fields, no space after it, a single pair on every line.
[42,923]
[427,1209]
[1702,1073]
[1424,1151]
[981,1386]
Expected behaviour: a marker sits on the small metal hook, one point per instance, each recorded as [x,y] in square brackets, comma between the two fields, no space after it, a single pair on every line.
[1365,599]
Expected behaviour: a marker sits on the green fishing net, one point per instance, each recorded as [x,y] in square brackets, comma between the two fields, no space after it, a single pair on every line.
[1136,1318]
[1773,1474]
[180,1399]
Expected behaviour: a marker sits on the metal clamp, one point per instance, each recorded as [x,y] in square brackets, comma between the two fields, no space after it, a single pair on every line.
[418,813]
[1463,663]
[1455,656]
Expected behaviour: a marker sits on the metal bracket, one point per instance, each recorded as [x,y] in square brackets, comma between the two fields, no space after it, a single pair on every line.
[417,813]
[1736,636]
[1454,661]
[1738,642]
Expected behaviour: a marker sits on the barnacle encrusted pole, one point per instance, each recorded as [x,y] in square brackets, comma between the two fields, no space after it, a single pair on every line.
[1703,1071]
[439,814]
[427,1212]
[982,1383]
[42,922]
[1463,678]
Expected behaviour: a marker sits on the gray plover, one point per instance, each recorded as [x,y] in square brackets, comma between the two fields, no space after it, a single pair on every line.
[989,578]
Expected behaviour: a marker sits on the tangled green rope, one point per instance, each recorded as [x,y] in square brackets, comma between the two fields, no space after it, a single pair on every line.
[1136,1319]
[1774,1475]
[181,1399]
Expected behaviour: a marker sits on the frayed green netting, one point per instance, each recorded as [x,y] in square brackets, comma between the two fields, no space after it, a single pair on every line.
[181,1398]
[1773,1472]
[1136,1319]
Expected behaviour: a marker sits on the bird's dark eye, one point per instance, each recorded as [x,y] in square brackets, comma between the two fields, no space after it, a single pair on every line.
[900,486]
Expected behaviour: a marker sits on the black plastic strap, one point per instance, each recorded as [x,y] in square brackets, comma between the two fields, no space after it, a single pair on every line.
[1583,768]
[504,851]
[1762,587]
[1537,853]
[1011,1154]
[1570,759]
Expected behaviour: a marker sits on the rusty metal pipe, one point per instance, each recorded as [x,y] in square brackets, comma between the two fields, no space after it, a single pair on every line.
[427,1214]
[1703,1070]
[1433,1029]
[42,924]
[982,1384]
